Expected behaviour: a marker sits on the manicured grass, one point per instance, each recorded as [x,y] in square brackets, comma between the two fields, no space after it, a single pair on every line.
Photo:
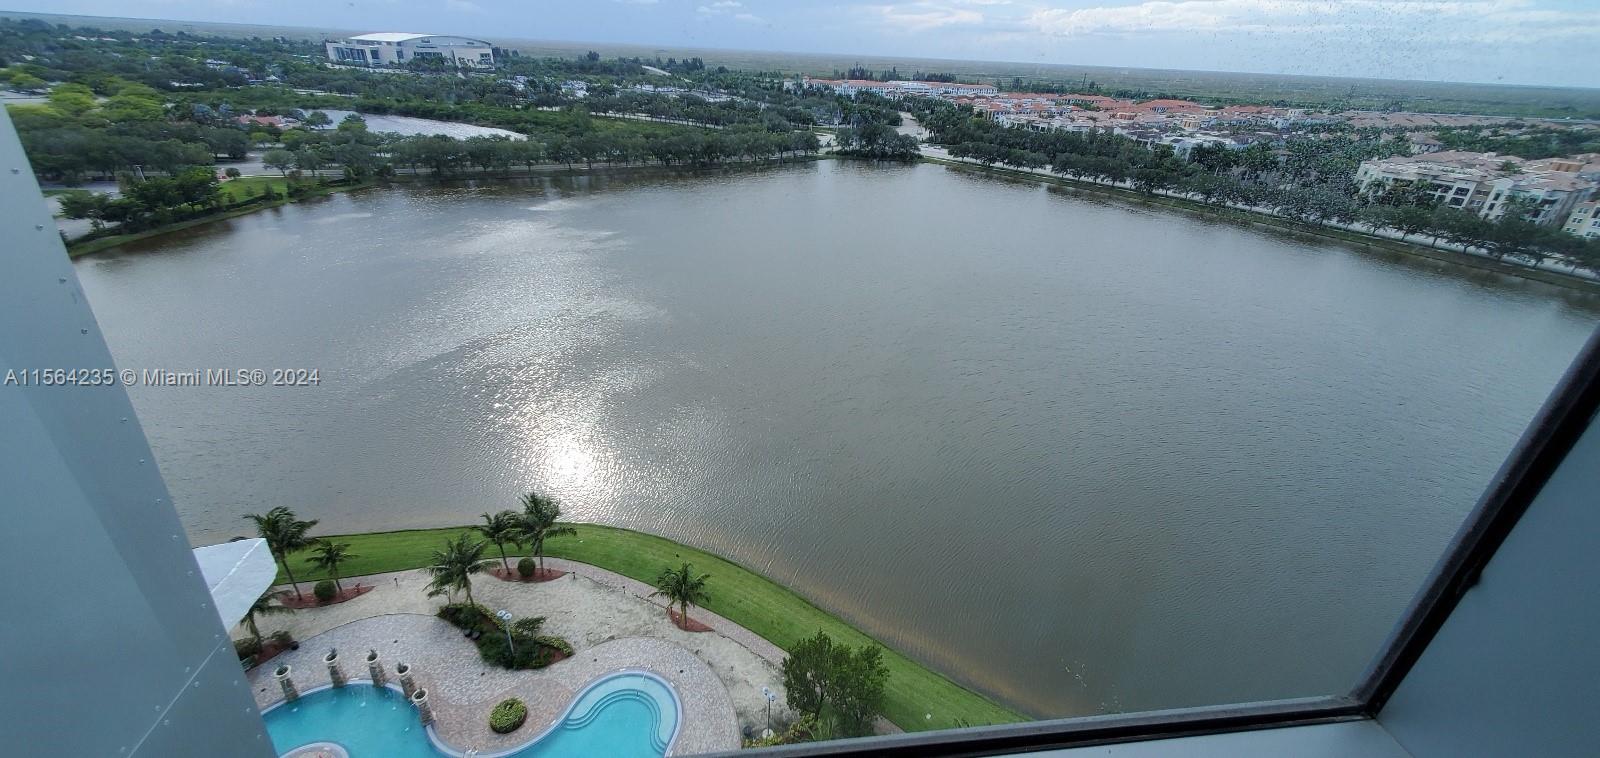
[741,595]
[235,190]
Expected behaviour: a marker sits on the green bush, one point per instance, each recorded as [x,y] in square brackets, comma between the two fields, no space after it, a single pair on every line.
[555,643]
[526,567]
[246,648]
[507,716]
[325,590]
[282,637]
[528,626]
[465,616]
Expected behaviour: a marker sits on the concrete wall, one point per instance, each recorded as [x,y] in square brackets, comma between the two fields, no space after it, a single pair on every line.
[109,645]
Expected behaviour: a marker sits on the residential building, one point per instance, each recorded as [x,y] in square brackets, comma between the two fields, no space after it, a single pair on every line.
[399,48]
[1488,184]
[1585,220]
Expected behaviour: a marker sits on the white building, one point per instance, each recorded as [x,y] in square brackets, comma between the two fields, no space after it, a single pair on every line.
[1585,220]
[1486,183]
[399,48]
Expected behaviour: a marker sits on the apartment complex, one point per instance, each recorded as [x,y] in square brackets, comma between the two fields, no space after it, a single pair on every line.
[1488,184]
[399,48]
[1585,220]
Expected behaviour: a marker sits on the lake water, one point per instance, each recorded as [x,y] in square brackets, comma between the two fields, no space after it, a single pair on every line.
[1084,455]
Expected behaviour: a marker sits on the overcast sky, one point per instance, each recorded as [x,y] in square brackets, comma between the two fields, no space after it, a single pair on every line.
[1513,41]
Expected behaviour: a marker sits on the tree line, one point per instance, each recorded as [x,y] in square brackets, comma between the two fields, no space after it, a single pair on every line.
[1311,180]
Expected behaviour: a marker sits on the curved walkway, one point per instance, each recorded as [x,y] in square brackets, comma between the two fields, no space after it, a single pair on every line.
[462,689]
[589,607]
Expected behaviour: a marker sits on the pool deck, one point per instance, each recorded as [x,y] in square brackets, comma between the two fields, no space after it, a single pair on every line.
[462,688]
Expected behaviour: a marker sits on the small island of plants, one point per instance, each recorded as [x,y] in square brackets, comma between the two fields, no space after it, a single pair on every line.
[508,716]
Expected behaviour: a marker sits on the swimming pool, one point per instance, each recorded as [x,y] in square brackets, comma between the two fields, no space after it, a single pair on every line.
[629,714]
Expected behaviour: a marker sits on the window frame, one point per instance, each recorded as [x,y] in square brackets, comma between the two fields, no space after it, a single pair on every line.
[1565,415]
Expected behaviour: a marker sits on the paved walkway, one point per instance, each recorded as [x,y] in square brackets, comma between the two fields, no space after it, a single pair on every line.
[589,607]
[462,689]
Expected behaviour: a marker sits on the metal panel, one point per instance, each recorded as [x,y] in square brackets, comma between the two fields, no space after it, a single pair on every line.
[108,619]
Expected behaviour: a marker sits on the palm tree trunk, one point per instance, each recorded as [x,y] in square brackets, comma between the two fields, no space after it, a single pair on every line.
[292,582]
[250,621]
[503,562]
[336,583]
[470,601]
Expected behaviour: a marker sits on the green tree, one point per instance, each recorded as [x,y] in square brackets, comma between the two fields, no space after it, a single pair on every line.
[263,606]
[839,686]
[328,555]
[72,99]
[282,160]
[681,587]
[538,523]
[501,528]
[285,533]
[318,119]
[452,568]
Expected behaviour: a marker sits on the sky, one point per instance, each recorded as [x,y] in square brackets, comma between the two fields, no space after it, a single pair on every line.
[1549,42]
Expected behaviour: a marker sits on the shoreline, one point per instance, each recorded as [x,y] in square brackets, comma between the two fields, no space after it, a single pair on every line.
[88,247]
[1242,215]
[916,698]
[1442,255]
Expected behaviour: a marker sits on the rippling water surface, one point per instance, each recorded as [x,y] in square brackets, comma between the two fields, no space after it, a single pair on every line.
[1082,455]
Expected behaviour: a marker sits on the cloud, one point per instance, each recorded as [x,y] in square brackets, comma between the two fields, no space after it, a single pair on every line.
[731,9]
[462,6]
[1457,20]
[924,16]
[636,2]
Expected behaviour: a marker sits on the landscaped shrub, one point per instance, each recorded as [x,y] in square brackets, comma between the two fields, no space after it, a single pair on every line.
[474,617]
[282,637]
[246,648]
[555,643]
[325,590]
[528,626]
[526,567]
[507,716]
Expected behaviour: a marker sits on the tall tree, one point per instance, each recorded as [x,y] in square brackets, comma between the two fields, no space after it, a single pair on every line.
[263,606]
[501,528]
[452,568]
[538,523]
[285,533]
[328,555]
[680,586]
[839,685]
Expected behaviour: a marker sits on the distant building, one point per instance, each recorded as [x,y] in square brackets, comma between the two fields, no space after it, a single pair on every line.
[1487,184]
[1585,220]
[400,48]
[897,88]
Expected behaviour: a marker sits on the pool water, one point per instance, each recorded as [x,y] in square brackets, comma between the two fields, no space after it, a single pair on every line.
[628,715]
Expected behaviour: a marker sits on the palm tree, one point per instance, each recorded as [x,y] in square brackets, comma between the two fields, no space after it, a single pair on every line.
[452,568]
[501,528]
[682,587]
[285,533]
[262,607]
[329,555]
[538,523]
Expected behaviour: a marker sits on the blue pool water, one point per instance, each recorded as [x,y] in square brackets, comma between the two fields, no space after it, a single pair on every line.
[627,715]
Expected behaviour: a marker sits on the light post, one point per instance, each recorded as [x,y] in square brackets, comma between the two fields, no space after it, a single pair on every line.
[770,698]
[505,615]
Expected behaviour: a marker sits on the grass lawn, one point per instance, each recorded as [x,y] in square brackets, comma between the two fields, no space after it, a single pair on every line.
[233,190]
[741,595]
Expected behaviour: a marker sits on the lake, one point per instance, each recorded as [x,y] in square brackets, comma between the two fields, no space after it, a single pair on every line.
[1082,454]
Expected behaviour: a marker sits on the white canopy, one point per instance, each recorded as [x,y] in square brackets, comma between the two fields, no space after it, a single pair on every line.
[237,573]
